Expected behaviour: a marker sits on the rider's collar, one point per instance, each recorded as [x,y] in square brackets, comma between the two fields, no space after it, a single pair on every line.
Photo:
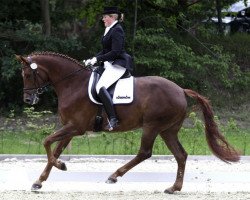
[109,27]
[113,24]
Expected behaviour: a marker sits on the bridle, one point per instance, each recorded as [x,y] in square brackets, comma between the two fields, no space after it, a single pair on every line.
[41,88]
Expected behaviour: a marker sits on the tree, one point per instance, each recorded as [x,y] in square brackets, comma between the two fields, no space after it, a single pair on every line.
[218,9]
[45,17]
[158,34]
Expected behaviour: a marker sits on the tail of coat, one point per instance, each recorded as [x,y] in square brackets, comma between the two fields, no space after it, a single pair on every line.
[216,141]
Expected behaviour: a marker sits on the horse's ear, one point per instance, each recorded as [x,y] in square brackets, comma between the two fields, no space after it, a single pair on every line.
[21,59]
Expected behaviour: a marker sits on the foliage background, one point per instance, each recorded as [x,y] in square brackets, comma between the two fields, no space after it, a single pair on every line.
[165,37]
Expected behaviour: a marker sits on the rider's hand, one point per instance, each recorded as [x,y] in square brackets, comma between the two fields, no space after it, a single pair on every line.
[91,61]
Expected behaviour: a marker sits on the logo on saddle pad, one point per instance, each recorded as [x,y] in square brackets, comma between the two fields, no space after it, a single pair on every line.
[122,93]
[119,97]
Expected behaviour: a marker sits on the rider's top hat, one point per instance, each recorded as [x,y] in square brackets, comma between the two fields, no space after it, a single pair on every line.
[111,10]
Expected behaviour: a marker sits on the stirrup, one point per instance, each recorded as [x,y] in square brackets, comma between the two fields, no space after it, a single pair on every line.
[112,123]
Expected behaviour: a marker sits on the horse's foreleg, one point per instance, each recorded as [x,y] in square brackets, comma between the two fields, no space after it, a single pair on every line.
[59,149]
[57,152]
[145,152]
[65,136]
[172,142]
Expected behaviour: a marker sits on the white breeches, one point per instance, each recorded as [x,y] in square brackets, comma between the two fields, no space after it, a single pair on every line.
[110,75]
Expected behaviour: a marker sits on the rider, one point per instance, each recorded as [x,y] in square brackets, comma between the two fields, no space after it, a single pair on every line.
[115,61]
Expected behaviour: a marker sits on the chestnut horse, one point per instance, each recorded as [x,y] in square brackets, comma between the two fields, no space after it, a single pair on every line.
[159,108]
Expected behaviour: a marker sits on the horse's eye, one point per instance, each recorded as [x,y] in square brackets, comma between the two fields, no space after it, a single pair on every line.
[27,76]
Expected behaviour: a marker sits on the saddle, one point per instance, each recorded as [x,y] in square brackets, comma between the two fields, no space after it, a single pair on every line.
[122,91]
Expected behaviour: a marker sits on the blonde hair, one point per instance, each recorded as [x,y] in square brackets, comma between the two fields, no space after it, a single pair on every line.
[118,17]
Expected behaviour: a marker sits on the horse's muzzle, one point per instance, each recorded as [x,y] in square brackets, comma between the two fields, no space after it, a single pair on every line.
[31,99]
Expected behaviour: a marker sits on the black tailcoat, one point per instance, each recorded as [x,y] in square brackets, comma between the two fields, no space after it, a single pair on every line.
[113,48]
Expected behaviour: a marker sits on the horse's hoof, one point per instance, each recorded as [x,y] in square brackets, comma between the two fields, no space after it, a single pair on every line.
[169,191]
[36,187]
[111,180]
[63,167]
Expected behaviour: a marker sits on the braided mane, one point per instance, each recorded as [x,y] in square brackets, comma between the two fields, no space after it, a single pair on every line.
[49,53]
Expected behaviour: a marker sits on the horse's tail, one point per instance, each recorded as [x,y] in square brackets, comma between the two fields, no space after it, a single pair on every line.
[216,141]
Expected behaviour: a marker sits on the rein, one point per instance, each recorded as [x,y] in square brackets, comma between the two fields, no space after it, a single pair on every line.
[43,88]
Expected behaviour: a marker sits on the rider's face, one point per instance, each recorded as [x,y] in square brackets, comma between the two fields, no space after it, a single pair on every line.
[107,20]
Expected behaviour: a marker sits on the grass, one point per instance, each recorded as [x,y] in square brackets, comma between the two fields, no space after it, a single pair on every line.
[29,140]
[118,143]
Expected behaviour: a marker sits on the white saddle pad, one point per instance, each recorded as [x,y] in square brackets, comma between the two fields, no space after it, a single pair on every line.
[123,92]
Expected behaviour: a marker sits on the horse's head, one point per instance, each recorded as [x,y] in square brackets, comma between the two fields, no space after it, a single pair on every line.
[34,80]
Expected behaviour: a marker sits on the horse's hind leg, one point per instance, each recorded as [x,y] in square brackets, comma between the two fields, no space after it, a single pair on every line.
[145,152]
[171,139]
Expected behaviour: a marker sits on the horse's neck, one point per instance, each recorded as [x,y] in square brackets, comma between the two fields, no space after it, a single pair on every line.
[64,75]
[58,70]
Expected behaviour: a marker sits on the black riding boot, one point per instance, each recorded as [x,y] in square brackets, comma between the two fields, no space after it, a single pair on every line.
[108,105]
